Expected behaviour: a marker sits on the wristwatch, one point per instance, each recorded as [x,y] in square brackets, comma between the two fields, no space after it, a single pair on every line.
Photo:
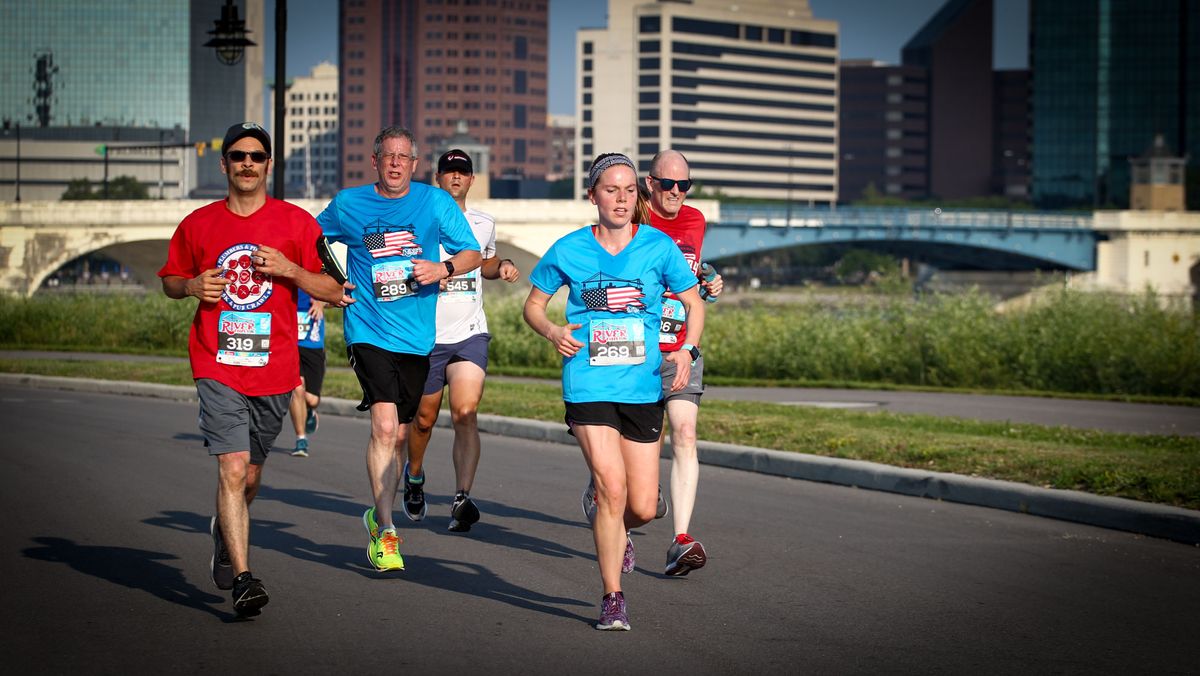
[695,351]
[449,268]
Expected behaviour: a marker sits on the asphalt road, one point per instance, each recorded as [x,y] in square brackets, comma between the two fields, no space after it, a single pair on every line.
[1108,416]
[106,554]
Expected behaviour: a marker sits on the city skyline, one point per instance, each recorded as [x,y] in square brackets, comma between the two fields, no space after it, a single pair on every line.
[868,30]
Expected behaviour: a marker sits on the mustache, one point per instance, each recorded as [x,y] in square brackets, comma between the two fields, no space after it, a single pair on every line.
[248,173]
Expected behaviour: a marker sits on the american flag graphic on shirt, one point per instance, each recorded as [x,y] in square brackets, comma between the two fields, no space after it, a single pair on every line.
[388,243]
[613,298]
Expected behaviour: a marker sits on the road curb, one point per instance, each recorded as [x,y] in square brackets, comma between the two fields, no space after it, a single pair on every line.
[1172,523]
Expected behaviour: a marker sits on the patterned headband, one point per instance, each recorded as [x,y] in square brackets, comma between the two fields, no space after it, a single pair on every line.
[606,162]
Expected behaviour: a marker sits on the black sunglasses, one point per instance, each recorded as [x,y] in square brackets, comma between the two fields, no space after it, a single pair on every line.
[240,156]
[667,183]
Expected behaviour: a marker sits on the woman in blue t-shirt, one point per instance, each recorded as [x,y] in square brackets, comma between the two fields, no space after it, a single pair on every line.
[615,273]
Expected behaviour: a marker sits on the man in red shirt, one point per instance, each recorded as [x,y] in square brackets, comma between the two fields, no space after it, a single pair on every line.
[668,182]
[244,258]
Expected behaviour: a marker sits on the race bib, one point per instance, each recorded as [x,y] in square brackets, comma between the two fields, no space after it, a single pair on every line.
[244,338]
[616,341]
[306,328]
[393,280]
[462,289]
[674,318]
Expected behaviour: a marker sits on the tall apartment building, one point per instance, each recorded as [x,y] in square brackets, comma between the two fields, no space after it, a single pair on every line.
[749,96]
[1011,153]
[560,155]
[429,64]
[312,133]
[955,48]
[882,123]
[1107,78]
[133,64]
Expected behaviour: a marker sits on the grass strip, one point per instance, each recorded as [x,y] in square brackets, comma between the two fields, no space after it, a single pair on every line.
[1151,468]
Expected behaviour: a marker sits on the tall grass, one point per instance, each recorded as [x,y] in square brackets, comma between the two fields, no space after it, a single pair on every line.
[1067,342]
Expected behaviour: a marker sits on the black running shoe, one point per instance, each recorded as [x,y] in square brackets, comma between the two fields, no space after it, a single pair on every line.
[249,595]
[220,569]
[414,496]
[463,513]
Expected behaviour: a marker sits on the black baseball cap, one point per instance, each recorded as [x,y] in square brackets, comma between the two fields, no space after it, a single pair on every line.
[242,130]
[455,160]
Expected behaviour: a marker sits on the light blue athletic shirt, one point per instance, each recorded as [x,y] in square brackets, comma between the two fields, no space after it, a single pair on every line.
[382,237]
[608,294]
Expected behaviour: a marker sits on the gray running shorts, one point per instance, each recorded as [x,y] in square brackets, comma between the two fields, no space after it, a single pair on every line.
[231,421]
[695,384]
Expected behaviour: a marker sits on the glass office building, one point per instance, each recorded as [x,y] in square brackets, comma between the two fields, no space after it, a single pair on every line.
[74,64]
[1107,77]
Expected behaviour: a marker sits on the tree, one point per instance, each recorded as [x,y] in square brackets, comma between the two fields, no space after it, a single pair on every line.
[78,189]
[119,188]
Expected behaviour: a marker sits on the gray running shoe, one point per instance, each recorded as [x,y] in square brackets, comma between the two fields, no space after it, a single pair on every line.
[588,502]
[220,569]
[664,507]
[628,561]
[685,555]
[414,496]
[249,595]
[613,615]
[463,513]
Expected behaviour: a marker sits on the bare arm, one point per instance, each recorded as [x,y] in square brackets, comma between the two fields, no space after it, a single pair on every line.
[695,328]
[207,286]
[319,285]
[559,336]
[499,268]
[431,272]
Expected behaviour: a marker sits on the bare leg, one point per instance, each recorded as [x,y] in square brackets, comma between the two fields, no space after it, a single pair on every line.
[237,484]
[601,450]
[685,466]
[387,435]
[299,409]
[466,390]
[421,430]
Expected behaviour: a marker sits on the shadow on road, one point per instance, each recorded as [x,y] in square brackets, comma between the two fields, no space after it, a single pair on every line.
[473,579]
[335,503]
[132,568]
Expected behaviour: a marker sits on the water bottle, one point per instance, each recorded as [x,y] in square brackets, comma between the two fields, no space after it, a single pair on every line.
[708,273]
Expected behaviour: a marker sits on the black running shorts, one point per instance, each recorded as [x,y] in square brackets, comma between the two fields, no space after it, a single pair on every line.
[642,423]
[387,376]
[312,369]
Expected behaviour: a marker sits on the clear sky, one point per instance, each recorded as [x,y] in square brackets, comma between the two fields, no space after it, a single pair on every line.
[870,29]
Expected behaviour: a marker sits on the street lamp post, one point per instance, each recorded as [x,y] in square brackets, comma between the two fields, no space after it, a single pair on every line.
[229,39]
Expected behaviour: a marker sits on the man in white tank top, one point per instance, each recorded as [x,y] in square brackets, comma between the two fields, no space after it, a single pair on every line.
[459,357]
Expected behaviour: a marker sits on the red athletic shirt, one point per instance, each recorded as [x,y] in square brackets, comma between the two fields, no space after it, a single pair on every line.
[687,230]
[246,340]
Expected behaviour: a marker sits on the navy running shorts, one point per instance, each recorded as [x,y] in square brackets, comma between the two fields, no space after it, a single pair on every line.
[386,376]
[231,421]
[473,349]
[642,423]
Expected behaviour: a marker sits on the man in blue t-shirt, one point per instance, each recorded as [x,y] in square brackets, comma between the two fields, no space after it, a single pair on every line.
[392,230]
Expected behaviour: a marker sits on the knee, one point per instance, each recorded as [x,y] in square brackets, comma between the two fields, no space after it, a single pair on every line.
[644,509]
[464,415]
[611,494]
[424,421]
[385,431]
[234,468]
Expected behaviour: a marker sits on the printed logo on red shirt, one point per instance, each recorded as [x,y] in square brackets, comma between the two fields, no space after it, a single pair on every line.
[248,288]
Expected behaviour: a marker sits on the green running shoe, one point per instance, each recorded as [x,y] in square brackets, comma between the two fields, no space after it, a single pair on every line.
[370,524]
[385,551]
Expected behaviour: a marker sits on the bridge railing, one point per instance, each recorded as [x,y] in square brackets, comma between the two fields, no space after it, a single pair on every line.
[742,215]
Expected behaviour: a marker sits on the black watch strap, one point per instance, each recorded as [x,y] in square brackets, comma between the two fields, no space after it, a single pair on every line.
[449,268]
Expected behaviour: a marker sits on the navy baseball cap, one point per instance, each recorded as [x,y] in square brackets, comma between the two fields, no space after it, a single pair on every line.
[242,130]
